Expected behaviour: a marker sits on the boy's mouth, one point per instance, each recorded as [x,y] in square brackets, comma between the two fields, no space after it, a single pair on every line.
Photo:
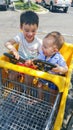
[30,39]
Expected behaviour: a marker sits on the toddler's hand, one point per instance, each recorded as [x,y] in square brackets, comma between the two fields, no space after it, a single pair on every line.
[57,69]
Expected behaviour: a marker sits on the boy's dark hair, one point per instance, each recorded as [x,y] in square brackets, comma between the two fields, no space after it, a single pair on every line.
[29,17]
[57,37]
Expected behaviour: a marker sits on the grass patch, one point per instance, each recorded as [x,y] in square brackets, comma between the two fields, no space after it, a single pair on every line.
[27,6]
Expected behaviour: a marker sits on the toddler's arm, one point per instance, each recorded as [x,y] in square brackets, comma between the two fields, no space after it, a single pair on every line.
[9,45]
[60,69]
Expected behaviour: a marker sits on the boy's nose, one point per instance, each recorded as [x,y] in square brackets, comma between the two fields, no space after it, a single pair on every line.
[30,33]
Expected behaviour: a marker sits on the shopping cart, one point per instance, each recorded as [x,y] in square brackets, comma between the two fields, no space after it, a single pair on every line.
[20,105]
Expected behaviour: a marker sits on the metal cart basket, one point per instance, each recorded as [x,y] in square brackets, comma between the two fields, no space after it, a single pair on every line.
[22,109]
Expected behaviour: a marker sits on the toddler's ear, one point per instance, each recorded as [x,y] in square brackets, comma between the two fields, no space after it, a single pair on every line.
[56,49]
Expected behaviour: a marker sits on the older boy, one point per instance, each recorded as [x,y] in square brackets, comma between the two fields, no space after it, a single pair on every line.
[29,44]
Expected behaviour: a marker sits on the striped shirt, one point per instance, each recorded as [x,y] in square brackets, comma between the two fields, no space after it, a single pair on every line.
[28,50]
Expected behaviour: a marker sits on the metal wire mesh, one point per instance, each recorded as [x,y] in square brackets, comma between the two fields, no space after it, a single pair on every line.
[22,110]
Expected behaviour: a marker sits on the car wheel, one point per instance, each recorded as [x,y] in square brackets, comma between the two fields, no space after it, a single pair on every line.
[43,3]
[5,7]
[52,8]
[65,9]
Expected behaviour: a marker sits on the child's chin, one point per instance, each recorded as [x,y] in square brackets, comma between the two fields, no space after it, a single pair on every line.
[29,40]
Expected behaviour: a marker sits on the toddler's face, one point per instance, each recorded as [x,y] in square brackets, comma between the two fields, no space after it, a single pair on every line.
[48,47]
[29,31]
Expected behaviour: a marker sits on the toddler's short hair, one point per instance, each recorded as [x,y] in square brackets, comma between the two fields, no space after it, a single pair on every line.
[57,38]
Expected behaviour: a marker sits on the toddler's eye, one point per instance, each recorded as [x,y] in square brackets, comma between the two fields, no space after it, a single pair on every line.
[44,47]
[34,31]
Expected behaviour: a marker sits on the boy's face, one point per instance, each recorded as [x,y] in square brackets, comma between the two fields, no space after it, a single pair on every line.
[48,47]
[29,31]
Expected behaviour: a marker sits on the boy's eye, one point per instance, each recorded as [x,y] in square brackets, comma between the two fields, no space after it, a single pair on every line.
[33,31]
[30,31]
[26,30]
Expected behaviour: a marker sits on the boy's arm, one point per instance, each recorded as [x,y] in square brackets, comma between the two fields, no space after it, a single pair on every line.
[9,45]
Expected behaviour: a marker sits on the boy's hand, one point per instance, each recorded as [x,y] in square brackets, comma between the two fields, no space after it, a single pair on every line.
[15,53]
[28,63]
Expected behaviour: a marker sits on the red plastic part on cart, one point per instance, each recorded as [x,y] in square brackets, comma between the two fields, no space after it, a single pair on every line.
[31,66]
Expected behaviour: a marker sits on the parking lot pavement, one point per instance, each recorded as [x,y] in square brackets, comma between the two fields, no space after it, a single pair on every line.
[58,21]
[9,26]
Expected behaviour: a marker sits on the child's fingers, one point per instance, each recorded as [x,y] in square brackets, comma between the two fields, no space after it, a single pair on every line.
[28,62]
[56,69]
[16,55]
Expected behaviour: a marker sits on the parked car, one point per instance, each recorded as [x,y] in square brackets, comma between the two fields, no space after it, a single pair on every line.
[11,1]
[56,4]
[4,4]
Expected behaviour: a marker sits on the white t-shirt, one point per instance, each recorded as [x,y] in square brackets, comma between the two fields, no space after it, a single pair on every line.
[28,50]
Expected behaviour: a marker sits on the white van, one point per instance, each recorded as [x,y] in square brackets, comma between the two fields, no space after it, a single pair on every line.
[53,4]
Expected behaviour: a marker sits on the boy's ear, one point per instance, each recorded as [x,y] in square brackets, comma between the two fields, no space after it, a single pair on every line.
[20,27]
